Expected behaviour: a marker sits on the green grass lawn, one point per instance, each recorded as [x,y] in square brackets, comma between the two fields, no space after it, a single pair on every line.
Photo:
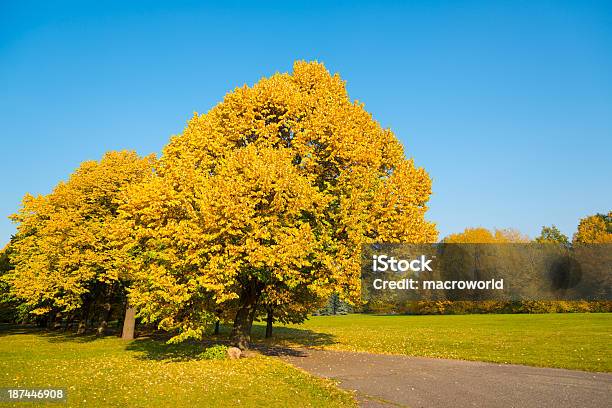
[147,373]
[575,341]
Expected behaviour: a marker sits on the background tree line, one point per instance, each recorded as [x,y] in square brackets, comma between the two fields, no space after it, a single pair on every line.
[594,229]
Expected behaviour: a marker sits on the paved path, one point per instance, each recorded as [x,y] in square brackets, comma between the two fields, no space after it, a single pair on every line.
[400,381]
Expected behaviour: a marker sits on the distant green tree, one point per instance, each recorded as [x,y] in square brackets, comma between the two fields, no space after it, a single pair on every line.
[335,306]
[552,235]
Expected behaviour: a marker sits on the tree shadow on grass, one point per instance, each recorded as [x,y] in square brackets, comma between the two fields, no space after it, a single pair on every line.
[294,336]
[285,342]
[8,329]
[158,350]
[277,351]
[60,336]
[53,336]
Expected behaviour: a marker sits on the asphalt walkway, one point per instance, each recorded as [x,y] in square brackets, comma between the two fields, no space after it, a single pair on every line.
[400,381]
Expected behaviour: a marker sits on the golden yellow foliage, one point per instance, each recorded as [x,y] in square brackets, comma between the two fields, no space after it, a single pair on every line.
[595,229]
[62,247]
[481,235]
[278,185]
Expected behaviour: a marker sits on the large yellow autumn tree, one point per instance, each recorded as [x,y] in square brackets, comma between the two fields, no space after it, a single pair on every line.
[594,229]
[480,235]
[64,257]
[270,193]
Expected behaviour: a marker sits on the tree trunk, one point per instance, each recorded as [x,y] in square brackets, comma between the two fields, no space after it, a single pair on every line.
[105,318]
[82,328]
[217,328]
[241,334]
[269,322]
[102,328]
[57,323]
[68,323]
[243,322]
[51,320]
[252,315]
[129,322]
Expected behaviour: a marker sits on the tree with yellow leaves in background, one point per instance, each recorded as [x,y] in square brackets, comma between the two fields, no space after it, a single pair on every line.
[63,255]
[595,229]
[474,258]
[277,186]
[481,235]
[466,257]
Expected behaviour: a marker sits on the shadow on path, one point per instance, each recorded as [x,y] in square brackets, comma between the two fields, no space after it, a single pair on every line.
[154,345]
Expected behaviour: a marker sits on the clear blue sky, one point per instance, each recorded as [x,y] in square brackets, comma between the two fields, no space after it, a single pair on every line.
[508,105]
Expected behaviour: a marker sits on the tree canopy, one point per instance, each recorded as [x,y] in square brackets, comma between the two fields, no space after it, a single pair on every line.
[552,235]
[480,235]
[63,255]
[594,229]
[277,186]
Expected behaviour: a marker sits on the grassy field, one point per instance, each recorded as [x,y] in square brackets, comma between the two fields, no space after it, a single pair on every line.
[149,373]
[146,373]
[574,341]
